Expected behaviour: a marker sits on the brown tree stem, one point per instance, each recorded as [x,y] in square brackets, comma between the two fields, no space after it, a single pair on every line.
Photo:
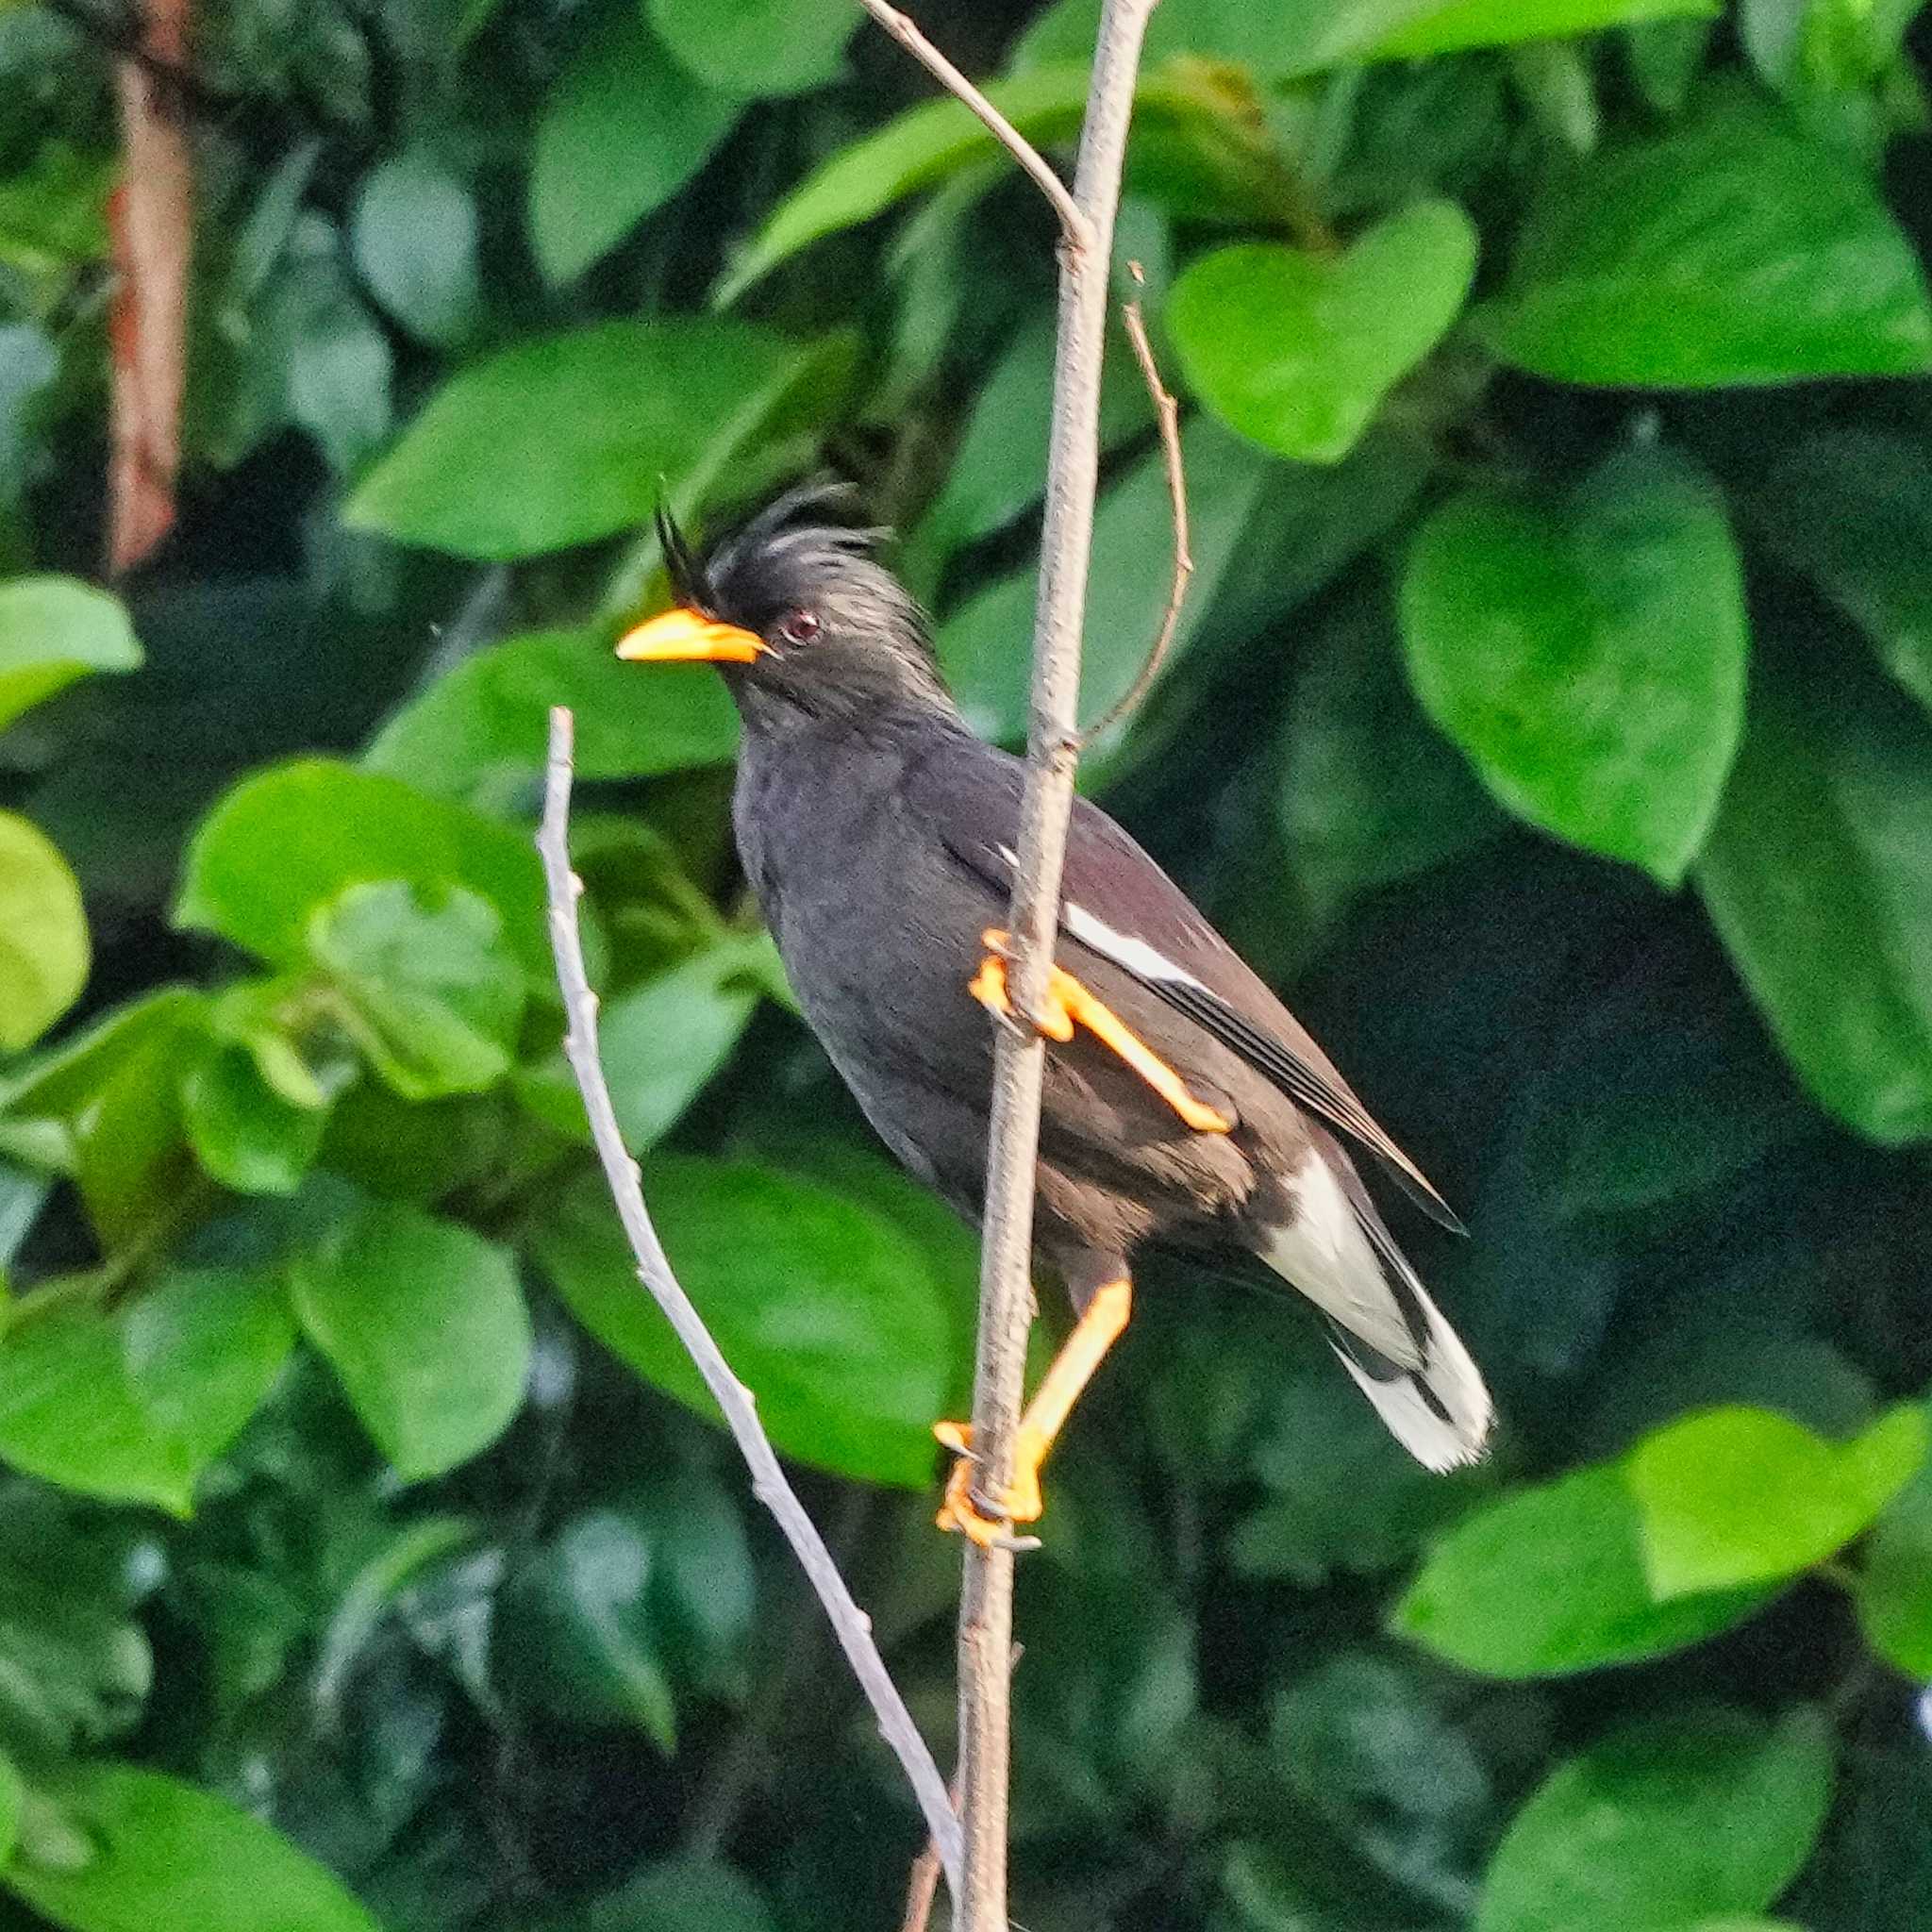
[986,1611]
[850,1624]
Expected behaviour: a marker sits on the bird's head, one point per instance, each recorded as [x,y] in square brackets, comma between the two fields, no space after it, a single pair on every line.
[796,613]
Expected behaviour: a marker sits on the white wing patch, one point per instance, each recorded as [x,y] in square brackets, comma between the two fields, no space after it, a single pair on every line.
[1323,1252]
[1435,1405]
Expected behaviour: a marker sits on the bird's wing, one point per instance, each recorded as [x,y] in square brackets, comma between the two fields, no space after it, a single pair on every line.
[1118,903]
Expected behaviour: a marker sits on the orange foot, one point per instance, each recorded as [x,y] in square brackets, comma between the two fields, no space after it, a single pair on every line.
[1021,1502]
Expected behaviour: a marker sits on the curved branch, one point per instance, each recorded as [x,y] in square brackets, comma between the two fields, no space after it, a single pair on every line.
[902,28]
[850,1624]
[1169,413]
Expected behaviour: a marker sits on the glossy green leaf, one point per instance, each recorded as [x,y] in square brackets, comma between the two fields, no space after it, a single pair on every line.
[1371,792]
[1742,1496]
[925,146]
[761,47]
[290,840]
[1445,26]
[828,1312]
[1893,1593]
[479,733]
[1733,251]
[580,434]
[12,1795]
[44,938]
[1832,932]
[664,1040]
[1589,657]
[202,1348]
[987,646]
[577,1632]
[1550,1580]
[1285,45]
[623,130]
[245,1133]
[144,1850]
[414,239]
[424,1324]
[1852,508]
[1298,350]
[428,985]
[72,1413]
[1687,1817]
[54,630]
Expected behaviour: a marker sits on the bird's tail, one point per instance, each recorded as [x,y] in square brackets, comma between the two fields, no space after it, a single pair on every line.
[1387,1332]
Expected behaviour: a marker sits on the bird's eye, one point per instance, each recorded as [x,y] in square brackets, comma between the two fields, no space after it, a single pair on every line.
[799,627]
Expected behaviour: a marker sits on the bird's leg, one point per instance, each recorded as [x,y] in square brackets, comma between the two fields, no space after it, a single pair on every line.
[1068,1004]
[1096,1331]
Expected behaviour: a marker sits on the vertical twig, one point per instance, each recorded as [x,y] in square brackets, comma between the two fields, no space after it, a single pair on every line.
[850,1624]
[986,1612]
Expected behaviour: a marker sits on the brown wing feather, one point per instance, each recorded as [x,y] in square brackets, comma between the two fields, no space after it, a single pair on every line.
[970,791]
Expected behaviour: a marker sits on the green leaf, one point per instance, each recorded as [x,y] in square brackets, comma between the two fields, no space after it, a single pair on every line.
[1298,350]
[290,839]
[429,987]
[147,1850]
[424,1326]
[827,1312]
[72,1413]
[757,48]
[1551,1580]
[52,632]
[1588,658]
[1285,45]
[414,242]
[1444,28]
[987,645]
[672,1895]
[581,1641]
[1371,792]
[1744,1495]
[664,1040]
[1851,509]
[1832,932]
[580,434]
[202,1348]
[12,1794]
[1686,1816]
[43,939]
[480,732]
[925,146]
[1893,1592]
[1731,251]
[623,130]
[246,1134]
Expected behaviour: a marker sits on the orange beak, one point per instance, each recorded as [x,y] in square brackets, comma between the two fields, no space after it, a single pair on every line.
[688,637]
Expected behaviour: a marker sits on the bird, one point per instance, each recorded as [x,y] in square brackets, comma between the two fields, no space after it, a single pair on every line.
[1183,1105]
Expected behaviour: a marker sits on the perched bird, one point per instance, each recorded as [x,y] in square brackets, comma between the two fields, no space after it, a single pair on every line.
[1183,1103]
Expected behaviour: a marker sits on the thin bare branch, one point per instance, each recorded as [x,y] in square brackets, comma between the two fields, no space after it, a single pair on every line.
[1169,413]
[903,30]
[1005,1295]
[850,1624]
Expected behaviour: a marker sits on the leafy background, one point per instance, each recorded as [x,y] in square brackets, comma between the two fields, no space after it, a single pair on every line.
[1550,720]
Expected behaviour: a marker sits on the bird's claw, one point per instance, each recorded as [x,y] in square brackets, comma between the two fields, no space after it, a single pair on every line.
[984,1515]
[989,986]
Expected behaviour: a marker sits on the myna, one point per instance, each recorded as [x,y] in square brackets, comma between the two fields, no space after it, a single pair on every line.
[1184,1103]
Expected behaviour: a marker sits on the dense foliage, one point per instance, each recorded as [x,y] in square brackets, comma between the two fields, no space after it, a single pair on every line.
[1549,717]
